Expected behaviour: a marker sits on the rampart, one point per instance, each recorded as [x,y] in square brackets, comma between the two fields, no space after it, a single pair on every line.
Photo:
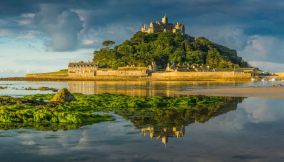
[201,76]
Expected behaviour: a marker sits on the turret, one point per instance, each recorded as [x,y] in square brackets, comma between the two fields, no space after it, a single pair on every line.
[144,28]
[165,20]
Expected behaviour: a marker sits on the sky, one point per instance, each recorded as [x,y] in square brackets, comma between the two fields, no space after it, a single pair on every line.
[44,35]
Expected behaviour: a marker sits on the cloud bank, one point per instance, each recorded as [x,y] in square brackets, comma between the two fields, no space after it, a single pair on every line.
[252,27]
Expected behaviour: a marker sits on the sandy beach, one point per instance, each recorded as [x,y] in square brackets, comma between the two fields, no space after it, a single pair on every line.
[263,92]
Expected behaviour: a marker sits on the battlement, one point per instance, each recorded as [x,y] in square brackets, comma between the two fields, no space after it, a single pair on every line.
[163,26]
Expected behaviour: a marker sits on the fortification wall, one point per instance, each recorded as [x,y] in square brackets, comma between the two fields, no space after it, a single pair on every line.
[106,72]
[80,74]
[200,76]
[162,76]
[135,73]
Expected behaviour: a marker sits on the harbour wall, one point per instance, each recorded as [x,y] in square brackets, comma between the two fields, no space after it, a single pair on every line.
[201,76]
[159,76]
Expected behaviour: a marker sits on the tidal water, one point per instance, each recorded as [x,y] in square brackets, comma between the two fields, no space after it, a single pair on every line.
[133,88]
[242,129]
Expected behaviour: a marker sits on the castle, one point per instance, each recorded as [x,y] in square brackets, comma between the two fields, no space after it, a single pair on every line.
[163,26]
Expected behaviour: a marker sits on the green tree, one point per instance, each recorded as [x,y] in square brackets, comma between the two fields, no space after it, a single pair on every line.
[108,43]
[178,56]
[166,47]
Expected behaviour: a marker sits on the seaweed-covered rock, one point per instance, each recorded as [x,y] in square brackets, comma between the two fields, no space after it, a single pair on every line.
[63,95]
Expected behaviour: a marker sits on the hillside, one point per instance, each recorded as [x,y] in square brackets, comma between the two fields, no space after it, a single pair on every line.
[166,47]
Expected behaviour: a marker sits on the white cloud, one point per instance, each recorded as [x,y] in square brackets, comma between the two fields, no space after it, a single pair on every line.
[261,51]
[88,42]
[61,26]
[32,57]
[5,32]
[260,47]
[268,66]
[230,35]
[118,32]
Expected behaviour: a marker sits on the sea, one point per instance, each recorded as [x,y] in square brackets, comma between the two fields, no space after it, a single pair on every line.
[247,129]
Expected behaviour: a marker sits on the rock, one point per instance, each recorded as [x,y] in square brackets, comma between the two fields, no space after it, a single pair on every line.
[63,95]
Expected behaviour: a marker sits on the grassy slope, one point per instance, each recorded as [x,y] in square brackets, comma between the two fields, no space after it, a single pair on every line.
[56,73]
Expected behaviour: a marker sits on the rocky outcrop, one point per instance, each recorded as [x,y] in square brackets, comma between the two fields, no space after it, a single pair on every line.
[63,95]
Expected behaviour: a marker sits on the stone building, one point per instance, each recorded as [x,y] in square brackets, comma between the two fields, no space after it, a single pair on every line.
[89,69]
[81,69]
[132,71]
[163,26]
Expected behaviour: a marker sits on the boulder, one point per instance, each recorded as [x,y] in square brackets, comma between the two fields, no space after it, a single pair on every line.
[63,95]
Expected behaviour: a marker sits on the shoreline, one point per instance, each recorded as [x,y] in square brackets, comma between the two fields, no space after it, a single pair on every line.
[121,79]
[258,92]
[104,79]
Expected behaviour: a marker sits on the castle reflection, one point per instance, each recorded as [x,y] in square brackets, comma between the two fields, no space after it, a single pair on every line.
[163,124]
[139,88]
[163,133]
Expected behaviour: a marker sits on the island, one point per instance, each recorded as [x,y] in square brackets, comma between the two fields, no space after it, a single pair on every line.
[159,51]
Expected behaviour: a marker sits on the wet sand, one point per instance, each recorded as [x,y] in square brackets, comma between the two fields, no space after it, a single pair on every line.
[265,92]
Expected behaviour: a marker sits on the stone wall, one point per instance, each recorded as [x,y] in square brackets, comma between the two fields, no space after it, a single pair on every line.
[106,72]
[201,76]
[132,71]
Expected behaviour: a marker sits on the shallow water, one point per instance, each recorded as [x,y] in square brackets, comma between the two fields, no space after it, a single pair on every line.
[133,88]
[245,129]
[250,130]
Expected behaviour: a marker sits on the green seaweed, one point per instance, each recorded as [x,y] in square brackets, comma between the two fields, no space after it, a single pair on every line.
[35,111]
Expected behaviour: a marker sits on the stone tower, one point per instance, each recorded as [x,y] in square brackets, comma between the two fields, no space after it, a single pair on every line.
[165,20]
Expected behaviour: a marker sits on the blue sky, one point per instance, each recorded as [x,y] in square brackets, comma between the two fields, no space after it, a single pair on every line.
[44,35]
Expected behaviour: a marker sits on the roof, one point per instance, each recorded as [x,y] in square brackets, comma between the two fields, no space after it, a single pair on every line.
[132,68]
[248,68]
[81,63]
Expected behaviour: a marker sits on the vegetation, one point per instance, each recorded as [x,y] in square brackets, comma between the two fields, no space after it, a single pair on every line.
[163,48]
[27,112]
[159,118]
[36,111]
[63,72]
[108,43]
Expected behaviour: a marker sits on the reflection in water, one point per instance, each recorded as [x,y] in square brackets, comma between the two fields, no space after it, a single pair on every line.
[163,133]
[40,126]
[252,132]
[138,88]
[141,88]
[164,123]
[155,122]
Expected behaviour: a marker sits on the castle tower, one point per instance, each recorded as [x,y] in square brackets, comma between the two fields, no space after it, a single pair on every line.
[165,20]
[144,28]
[151,28]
